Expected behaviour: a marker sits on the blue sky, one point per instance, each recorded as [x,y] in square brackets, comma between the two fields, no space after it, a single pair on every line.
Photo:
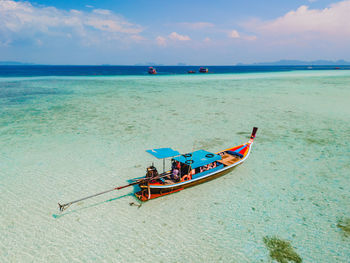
[220,32]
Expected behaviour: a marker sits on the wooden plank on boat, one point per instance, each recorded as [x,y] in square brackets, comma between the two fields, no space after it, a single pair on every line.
[228,159]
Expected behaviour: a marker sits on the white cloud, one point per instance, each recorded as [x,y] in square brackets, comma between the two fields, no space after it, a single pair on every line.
[330,22]
[138,38]
[171,38]
[236,35]
[161,41]
[111,25]
[22,20]
[207,39]
[176,36]
[102,11]
[196,25]
[233,34]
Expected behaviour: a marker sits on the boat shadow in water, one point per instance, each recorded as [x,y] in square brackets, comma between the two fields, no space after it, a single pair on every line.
[97,204]
[135,187]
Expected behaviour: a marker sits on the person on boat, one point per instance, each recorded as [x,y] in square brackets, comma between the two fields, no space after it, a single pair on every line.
[192,172]
[214,164]
[178,165]
[183,170]
[175,174]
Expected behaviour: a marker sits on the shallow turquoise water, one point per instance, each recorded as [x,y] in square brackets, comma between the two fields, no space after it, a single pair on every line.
[62,138]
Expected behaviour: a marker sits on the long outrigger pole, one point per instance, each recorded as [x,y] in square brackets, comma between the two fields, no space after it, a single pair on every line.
[65,206]
[139,181]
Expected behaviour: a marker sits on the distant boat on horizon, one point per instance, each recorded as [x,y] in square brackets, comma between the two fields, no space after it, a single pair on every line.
[152,71]
[203,70]
[191,71]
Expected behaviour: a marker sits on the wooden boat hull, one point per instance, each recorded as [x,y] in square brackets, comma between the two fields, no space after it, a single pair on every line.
[155,190]
[225,163]
[144,195]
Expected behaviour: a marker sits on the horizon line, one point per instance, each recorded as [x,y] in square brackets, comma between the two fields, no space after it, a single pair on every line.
[262,64]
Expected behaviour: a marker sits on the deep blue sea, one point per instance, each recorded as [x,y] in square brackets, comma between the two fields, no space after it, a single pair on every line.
[45,70]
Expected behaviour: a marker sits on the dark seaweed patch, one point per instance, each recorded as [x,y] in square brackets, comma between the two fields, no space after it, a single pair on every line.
[281,250]
[297,131]
[317,141]
[345,226]
[243,133]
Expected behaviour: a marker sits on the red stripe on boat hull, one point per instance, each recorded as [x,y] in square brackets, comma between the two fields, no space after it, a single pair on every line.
[143,194]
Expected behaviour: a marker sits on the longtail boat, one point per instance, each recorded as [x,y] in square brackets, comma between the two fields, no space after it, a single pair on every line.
[203,70]
[191,169]
[186,170]
[152,71]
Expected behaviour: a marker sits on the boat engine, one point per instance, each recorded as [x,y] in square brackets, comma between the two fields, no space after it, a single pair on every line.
[151,172]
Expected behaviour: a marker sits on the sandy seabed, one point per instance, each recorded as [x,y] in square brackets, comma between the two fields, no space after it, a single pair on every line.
[62,138]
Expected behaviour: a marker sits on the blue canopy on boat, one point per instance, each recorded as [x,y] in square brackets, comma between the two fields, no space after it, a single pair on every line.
[198,158]
[162,153]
